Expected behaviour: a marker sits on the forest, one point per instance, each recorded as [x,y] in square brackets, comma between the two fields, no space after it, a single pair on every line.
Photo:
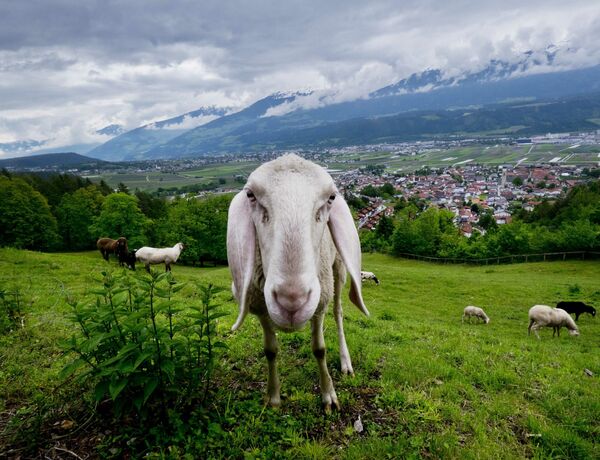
[64,212]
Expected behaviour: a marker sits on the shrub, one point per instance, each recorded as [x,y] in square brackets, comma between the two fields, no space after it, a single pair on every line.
[141,348]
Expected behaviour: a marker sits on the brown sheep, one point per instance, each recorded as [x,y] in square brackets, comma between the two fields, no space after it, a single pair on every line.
[118,247]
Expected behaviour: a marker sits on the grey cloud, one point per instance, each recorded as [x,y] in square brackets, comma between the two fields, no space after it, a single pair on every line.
[138,61]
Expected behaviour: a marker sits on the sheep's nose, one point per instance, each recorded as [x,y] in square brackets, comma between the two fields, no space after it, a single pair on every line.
[291,298]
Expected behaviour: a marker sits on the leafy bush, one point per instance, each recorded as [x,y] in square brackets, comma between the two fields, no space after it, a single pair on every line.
[141,348]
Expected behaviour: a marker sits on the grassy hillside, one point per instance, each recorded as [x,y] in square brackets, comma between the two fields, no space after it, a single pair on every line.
[425,385]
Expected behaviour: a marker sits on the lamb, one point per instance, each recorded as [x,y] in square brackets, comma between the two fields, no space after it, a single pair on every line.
[151,256]
[118,247]
[364,276]
[477,312]
[545,316]
[290,239]
[576,307]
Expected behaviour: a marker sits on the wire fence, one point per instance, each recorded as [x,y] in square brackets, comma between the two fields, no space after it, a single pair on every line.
[511,259]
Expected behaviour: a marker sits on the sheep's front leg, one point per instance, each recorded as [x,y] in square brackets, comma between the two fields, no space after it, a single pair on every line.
[328,396]
[338,313]
[271,349]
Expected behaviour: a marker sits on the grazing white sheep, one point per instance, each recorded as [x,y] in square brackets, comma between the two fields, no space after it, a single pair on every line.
[545,316]
[290,239]
[476,312]
[365,276]
[152,256]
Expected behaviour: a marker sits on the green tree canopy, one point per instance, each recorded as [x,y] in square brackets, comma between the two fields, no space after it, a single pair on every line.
[121,216]
[152,207]
[76,213]
[25,217]
[487,221]
[201,224]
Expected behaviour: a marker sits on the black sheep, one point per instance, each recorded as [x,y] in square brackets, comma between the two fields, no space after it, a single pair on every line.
[129,259]
[576,307]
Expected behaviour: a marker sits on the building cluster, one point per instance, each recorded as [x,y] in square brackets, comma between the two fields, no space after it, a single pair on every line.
[494,190]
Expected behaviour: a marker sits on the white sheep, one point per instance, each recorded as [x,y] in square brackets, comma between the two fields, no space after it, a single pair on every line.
[476,312]
[290,239]
[545,316]
[152,256]
[365,276]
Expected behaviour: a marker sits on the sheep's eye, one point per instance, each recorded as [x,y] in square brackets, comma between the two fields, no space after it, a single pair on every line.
[251,196]
[331,198]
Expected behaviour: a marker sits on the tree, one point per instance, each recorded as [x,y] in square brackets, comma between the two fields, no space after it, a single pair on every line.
[55,186]
[517,181]
[402,239]
[476,208]
[122,188]
[152,207]
[369,190]
[104,188]
[75,213]
[354,201]
[121,216]
[384,228]
[201,224]
[487,221]
[387,189]
[25,217]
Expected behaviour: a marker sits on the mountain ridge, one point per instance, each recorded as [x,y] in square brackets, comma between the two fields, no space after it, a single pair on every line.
[50,160]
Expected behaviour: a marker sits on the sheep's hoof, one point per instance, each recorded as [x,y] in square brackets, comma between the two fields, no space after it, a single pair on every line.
[348,371]
[330,402]
[274,401]
[327,407]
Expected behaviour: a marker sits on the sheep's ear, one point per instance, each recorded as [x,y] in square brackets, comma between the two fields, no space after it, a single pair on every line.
[241,251]
[345,237]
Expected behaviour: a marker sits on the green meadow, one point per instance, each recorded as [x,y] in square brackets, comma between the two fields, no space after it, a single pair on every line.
[426,385]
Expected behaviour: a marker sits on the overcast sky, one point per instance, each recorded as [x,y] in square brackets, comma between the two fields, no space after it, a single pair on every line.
[68,68]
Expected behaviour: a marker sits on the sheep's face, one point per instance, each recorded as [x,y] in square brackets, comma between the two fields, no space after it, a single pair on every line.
[573,332]
[290,210]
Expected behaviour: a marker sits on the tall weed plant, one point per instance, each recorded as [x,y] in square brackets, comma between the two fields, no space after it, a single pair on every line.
[11,314]
[138,346]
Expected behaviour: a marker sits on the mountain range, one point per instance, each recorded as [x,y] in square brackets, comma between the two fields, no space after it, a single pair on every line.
[522,97]
[135,144]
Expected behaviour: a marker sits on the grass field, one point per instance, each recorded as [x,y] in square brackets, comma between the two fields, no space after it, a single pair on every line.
[425,385]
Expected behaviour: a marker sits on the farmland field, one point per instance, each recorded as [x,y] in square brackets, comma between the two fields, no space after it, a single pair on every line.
[149,181]
[492,155]
[425,384]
